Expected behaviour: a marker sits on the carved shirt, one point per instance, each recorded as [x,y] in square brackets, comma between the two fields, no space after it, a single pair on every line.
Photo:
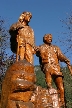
[50,54]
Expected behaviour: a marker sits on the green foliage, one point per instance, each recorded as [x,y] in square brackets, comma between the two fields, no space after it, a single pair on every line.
[40,78]
[68,87]
[67,83]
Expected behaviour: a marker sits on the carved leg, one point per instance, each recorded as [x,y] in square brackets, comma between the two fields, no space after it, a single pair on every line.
[60,86]
[48,79]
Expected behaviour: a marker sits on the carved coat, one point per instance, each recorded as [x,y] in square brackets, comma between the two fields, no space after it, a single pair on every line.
[25,34]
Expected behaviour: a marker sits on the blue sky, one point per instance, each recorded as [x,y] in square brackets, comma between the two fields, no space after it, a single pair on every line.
[46,16]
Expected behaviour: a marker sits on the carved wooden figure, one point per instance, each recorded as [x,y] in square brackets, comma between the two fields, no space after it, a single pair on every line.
[49,56]
[22,38]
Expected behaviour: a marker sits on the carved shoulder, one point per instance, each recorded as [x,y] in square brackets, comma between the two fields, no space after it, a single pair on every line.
[15,26]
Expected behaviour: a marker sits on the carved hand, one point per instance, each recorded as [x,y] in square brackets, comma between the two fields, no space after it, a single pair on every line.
[70,68]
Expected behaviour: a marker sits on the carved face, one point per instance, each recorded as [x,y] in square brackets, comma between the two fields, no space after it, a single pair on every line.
[48,39]
[27,18]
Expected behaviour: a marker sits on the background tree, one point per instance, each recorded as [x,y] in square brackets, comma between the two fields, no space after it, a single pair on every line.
[6,59]
[66,37]
[66,40]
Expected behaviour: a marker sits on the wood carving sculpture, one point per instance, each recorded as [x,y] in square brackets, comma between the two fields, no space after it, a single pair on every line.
[49,57]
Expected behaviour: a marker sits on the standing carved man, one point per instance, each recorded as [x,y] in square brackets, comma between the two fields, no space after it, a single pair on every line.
[49,56]
[22,38]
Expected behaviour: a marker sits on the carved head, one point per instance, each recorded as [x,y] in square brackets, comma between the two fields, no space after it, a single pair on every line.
[47,38]
[25,16]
